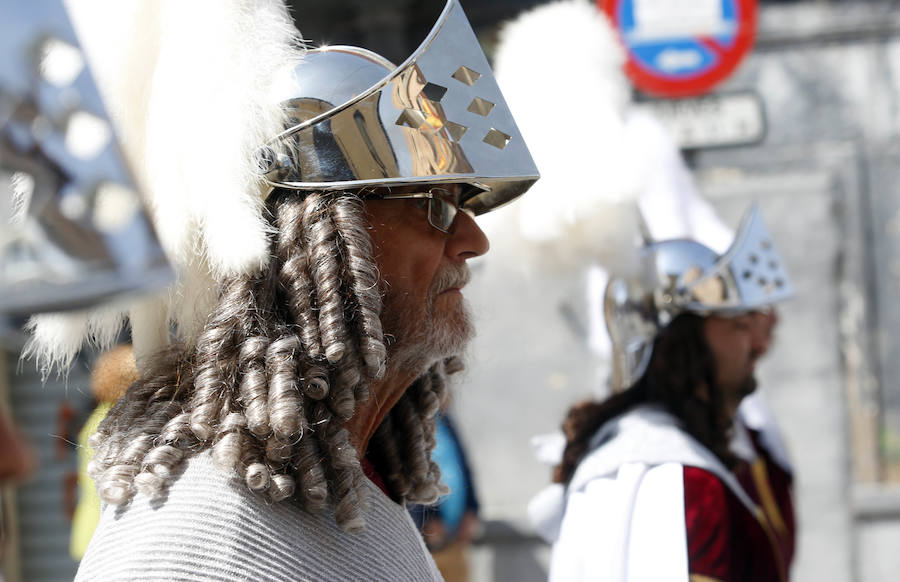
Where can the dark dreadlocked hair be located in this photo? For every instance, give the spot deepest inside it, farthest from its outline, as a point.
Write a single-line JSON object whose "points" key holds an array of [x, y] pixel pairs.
{"points": [[682, 363], [284, 359]]}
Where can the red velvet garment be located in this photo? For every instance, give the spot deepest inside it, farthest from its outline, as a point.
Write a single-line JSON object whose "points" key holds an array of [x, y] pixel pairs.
{"points": [[374, 476], [725, 540]]}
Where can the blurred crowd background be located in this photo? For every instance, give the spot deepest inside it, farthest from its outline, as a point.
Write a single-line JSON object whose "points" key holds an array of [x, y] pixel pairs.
{"points": [[825, 173]]}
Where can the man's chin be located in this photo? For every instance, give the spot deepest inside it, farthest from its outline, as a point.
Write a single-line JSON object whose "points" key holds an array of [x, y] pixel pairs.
{"points": [[748, 387], [450, 333], [444, 333]]}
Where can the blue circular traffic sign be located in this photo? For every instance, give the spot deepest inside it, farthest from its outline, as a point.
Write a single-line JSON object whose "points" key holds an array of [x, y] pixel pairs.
{"points": [[682, 47]]}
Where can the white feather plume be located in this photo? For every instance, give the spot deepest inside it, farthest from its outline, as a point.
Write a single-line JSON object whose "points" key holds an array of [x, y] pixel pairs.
{"points": [[560, 68], [189, 85]]}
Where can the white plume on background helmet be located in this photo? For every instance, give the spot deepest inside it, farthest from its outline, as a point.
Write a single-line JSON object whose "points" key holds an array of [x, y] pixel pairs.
{"points": [[189, 86], [561, 67]]}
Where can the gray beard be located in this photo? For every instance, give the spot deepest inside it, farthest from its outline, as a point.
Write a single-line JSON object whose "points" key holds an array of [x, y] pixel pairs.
{"points": [[420, 337], [420, 340]]}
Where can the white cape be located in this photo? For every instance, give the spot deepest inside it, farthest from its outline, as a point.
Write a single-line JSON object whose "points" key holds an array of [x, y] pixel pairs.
{"points": [[622, 516]]}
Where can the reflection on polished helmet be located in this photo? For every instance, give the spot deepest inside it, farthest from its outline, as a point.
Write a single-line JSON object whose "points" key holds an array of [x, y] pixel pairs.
{"points": [[680, 275], [359, 121]]}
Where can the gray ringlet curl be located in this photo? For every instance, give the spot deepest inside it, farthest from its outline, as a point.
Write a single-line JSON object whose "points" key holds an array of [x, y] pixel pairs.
{"points": [[283, 360]]}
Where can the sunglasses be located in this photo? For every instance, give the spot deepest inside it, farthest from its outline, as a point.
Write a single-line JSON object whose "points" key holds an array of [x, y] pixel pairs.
{"points": [[443, 206]]}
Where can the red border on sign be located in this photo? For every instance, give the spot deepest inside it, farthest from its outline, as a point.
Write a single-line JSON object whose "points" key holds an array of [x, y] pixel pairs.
{"points": [[652, 82]]}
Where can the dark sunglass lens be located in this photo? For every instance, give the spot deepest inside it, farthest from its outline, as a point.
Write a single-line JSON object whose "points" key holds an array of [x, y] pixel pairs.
{"points": [[441, 214]]}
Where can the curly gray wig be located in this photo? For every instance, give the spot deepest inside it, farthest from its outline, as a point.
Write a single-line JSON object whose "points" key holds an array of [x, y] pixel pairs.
{"points": [[283, 361]]}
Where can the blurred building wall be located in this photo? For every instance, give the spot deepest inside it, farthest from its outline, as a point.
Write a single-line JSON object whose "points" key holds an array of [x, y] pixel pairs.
{"points": [[49, 415], [830, 78]]}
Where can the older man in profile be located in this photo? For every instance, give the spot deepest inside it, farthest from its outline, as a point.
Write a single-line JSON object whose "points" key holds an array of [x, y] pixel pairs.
{"points": [[279, 434]]}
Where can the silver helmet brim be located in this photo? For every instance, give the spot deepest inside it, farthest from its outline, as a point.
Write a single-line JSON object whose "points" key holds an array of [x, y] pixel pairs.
{"points": [[438, 118]]}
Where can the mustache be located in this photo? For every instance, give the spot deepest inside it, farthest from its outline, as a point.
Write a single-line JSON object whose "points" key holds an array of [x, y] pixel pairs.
{"points": [[453, 276]]}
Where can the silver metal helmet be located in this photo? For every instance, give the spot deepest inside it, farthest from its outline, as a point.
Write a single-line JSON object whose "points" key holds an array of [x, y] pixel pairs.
{"points": [[359, 121], [680, 275]]}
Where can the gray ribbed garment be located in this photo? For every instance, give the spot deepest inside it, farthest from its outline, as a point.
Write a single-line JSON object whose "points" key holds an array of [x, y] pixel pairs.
{"points": [[211, 527]]}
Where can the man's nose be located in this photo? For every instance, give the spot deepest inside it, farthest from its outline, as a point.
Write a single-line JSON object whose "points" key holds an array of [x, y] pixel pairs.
{"points": [[467, 240], [763, 325]]}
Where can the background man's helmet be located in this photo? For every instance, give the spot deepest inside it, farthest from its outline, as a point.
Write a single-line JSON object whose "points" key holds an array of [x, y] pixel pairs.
{"points": [[678, 276]]}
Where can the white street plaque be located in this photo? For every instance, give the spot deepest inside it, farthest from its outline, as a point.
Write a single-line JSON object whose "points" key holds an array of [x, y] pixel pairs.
{"points": [[720, 120]]}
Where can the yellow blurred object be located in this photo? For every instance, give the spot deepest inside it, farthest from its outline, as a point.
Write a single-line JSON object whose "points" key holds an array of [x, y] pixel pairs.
{"points": [[113, 373], [87, 513]]}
